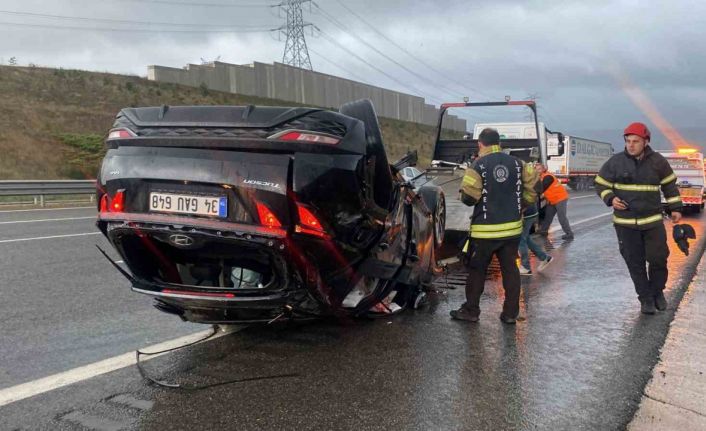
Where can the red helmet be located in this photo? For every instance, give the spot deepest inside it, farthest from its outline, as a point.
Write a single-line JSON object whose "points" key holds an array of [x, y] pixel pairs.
{"points": [[638, 129]]}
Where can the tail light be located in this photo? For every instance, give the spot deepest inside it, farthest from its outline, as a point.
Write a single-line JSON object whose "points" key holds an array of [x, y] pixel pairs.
{"points": [[118, 203], [309, 223], [267, 217], [121, 133], [104, 203], [114, 205], [315, 138]]}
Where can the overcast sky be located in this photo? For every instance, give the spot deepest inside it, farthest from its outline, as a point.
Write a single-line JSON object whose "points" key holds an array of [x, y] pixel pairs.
{"points": [[589, 63]]}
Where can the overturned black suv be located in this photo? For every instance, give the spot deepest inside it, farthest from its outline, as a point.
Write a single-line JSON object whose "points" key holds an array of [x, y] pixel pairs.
{"points": [[230, 214]]}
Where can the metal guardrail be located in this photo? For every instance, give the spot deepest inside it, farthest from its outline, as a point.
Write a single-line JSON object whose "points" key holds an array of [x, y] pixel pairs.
{"points": [[40, 188]]}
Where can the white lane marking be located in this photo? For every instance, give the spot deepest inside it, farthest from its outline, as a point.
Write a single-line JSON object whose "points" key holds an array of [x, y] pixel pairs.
{"points": [[584, 197], [48, 237], [47, 209], [47, 219], [119, 261], [46, 384], [576, 223]]}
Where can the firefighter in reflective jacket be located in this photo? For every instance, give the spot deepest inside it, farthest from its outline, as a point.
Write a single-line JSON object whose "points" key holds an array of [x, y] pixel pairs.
{"points": [[630, 182], [499, 185]]}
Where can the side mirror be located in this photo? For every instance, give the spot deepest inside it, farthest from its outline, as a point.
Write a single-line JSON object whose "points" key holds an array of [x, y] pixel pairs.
{"points": [[560, 136], [555, 143]]}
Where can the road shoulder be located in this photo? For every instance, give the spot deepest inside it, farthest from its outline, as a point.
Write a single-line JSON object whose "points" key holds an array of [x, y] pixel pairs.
{"points": [[675, 397]]}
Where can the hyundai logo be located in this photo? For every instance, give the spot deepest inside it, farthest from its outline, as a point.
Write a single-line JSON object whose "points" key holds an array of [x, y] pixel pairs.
{"points": [[181, 240]]}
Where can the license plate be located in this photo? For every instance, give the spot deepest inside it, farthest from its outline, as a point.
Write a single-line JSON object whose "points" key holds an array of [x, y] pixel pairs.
{"points": [[189, 204]]}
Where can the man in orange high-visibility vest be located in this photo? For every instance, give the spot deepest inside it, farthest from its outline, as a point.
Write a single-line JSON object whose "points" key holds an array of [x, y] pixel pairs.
{"points": [[557, 199]]}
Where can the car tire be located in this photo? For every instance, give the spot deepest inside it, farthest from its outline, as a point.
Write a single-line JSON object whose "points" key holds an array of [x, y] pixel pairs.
{"points": [[435, 201], [364, 111]]}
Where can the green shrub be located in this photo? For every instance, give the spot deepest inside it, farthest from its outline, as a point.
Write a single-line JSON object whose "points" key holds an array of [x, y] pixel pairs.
{"points": [[84, 153], [204, 89], [90, 142]]}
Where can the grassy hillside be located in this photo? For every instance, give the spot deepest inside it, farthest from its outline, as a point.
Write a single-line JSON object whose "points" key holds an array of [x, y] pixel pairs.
{"points": [[53, 121]]}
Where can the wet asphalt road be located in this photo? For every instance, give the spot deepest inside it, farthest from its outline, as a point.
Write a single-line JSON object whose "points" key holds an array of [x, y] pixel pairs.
{"points": [[580, 359], [62, 305]]}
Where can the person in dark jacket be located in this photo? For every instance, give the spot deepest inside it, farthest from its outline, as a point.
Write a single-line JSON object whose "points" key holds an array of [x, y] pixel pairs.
{"points": [[630, 182], [498, 186]]}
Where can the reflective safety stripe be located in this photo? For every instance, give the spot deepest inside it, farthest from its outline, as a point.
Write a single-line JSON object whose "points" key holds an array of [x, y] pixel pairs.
{"points": [[467, 179], [495, 235], [637, 221], [673, 200], [600, 180], [636, 187], [668, 179], [605, 193], [496, 227], [489, 150]]}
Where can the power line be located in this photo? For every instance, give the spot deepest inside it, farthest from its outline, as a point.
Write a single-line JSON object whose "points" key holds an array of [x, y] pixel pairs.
{"points": [[130, 30], [121, 21], [178, 3], [401, 48], [404, 85], [338, 66], [344, 28]]}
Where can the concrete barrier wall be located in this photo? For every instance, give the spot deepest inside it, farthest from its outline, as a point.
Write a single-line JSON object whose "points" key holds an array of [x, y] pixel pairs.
{"points": [[292, 84]]}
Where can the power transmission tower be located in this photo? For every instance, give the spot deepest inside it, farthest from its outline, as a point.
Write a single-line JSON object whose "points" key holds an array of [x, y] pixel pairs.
{"points": [[295, 51]]}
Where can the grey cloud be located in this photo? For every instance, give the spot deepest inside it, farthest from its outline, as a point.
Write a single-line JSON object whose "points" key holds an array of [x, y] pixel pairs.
{"points": [[561, 50]]}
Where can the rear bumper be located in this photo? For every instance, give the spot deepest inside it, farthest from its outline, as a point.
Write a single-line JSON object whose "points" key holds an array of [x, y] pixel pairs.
{"points": [[179, 221], [211, 309], [291, 268]]}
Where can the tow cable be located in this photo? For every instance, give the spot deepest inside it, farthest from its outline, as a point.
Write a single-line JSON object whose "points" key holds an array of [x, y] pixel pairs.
{"points": [[139, 353], [169, 385]]}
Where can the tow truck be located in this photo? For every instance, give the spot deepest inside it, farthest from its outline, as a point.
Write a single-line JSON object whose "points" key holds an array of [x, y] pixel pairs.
{"points": [[453, 154], [687, 164]]}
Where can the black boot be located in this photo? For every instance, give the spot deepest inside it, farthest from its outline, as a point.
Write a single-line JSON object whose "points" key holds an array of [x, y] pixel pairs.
{"points": [[660, 301], [463, 314], [647, 306], [507, 320]]}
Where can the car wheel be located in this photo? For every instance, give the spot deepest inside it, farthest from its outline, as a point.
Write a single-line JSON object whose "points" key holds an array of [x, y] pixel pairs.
{"points": [[364, 111], [435, 201], [440, 221]]}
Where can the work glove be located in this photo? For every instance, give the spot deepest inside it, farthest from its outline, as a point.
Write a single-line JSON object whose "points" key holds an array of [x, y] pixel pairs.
{"points": [[681, 234]]}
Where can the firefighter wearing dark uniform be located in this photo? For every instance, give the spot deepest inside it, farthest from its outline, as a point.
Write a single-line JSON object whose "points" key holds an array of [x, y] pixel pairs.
{"points": [[499, 185], [630, 182]]}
